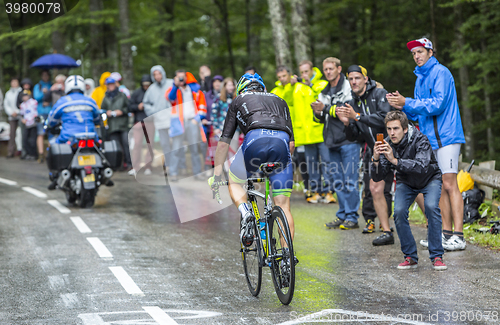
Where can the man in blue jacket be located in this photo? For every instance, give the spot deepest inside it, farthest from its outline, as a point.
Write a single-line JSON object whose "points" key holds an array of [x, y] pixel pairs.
{"points": [[39, 92], [75, 111], [435, 106]]}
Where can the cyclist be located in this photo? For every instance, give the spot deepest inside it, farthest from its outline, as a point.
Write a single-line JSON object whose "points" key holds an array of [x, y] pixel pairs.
{"points": [[265, 120], [76, 112]]}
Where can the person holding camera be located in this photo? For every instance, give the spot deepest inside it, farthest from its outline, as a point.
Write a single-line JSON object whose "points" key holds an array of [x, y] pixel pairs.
{"points": [[409, 152], [189, 109], [363, 118]]}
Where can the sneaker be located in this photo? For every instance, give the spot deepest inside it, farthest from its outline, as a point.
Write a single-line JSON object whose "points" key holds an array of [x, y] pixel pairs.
{"points": [[41, 158], [335, 223], [424, 243], [438, 264], [385, 239], [409, 263], [307, 194], [131, 172], [455, 243], [173, 178], [315, 198], [246, 236], [329, 198], [147, 172], [348, 225], [369, 227]]}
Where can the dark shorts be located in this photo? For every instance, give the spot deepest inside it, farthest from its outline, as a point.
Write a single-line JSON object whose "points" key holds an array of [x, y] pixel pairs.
{"points": [[263, 146]]}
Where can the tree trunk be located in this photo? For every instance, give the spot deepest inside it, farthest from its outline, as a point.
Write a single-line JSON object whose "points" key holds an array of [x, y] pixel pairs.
{"points": [[488, 110], [280, 36], [58, 42], [433, 26], [96, 44], [222, 4], [253, 41], [125, 47], [25, 63], [468, 119], [300, 30], [1, 71], [168, 50]]}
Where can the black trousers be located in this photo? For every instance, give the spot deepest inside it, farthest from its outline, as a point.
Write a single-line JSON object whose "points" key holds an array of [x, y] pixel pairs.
{"points": [[368, 209], [122, 138], [29, 141], [300, 165]]}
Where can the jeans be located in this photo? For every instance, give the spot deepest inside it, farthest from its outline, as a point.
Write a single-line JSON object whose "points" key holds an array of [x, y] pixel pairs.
{"points": [[192, 135], [405, 196], [343, 168], [313, 153]]}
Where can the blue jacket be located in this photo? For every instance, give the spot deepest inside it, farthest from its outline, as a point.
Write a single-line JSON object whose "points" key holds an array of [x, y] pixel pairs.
{"points": [[38, 95], [77, 113], [435, 105]]}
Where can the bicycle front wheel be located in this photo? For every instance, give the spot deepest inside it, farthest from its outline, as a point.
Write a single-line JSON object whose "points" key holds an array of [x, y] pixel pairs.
{"points": [[282, 257], [251, 257]]}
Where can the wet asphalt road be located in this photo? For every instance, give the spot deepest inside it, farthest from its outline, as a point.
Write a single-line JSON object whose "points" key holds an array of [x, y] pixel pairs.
{"points": [[191, 273]]}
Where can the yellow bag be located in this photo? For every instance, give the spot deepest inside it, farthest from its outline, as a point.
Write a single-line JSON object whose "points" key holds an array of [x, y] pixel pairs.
{"points": [[465, 181]]}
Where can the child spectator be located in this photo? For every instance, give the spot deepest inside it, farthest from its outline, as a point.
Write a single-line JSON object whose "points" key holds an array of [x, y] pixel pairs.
{"points": [[29, 113]]}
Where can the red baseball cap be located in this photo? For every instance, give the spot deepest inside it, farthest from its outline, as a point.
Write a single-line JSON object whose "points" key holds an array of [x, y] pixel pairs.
{"points": [[424, 42]]}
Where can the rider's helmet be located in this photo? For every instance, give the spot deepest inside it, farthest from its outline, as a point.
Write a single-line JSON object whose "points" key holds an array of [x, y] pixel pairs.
{"points": [[250, 82], [74, 83]]}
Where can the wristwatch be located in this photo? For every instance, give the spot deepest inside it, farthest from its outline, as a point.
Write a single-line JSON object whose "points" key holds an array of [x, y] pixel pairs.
{"points": [[375, 160], [358, 116], [113, 113]]}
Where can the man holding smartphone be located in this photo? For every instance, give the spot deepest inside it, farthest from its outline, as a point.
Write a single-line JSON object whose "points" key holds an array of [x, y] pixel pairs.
{"points": [[435, 106], [363, 117]]}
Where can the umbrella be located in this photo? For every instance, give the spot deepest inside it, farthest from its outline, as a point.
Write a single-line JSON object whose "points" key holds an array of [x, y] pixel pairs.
{"points": [[464, 179], [54, 61]]}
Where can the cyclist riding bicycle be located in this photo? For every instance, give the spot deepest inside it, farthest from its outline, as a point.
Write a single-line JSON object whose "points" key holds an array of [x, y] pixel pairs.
{"points": [[265, 120], [76, 112]]}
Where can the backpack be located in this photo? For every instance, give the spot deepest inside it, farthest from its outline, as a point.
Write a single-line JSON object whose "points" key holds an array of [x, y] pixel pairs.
{"points": [[472, 200]]}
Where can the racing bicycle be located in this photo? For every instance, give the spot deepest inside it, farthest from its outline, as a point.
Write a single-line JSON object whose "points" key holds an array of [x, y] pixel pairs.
{"points": [[267, 241]]}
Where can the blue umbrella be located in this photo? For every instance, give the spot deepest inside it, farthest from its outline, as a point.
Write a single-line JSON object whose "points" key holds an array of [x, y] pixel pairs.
{"points": [[54, 61]]}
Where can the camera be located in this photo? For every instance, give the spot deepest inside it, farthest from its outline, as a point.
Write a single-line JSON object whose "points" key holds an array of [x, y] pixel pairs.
{"points": [[181, 79]]}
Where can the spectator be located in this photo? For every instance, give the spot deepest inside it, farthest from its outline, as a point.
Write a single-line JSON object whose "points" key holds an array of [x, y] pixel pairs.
{"points": [[42, 88], [417, 172], [1, 100], [136, 106], [189, 108], [310, 132], [435, 106], [217, 118], [28, 111], [12, 111], [205, 78], [121, 88], [56, 91], [27, 85], [363, 118], [99, 92], [250, 69], [115, 103], [89, 87], [344, 154], [211, 97], [156, 104]]}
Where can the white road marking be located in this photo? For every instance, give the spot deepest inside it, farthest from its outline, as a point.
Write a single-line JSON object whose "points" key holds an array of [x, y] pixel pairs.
{"points": [[99, 247], [139, 317], [58, 282], [159, 315], [61, 208], [35, 192], [126, 281], [80, 225], [8, 182], [345, 316], [70, 300]]}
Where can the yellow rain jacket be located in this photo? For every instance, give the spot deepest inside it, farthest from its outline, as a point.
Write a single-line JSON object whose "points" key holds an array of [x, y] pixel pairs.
{"points": [[99, 92]]}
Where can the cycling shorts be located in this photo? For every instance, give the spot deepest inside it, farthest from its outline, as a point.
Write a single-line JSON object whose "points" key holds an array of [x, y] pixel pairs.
{"points": [[447, 158], [264, 146]]}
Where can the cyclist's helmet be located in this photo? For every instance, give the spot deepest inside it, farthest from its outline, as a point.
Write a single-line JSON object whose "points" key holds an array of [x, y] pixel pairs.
{"points": [[250, 82], [74, 84]]}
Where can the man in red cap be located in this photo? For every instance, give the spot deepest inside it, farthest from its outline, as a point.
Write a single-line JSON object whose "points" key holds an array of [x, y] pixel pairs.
{"points": [[435, 106]]}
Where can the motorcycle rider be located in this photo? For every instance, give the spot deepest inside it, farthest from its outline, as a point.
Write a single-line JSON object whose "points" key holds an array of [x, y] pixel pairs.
{"points": [[76, 112]]}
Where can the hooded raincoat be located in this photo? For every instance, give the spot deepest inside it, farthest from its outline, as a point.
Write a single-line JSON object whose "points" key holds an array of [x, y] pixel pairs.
{"points": [[99, 93], [155, 102]]}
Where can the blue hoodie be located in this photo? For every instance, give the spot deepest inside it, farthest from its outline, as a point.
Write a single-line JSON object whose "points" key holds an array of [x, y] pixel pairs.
{"points": [[38, 94], [435, 105]]}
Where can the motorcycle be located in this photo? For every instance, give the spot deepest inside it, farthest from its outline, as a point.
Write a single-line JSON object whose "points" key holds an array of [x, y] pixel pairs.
{"points": [[79, 168]]}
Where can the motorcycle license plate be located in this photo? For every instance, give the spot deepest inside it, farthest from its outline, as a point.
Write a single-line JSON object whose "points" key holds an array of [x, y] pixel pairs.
{"points": [[86, 160], [89, 178]]}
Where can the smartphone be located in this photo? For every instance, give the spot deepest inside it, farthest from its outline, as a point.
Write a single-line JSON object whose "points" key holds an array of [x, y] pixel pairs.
{"points": [[380, 137]]}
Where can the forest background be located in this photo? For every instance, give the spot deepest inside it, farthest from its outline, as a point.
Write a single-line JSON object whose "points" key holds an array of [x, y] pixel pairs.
{"points": [[130, 36]]}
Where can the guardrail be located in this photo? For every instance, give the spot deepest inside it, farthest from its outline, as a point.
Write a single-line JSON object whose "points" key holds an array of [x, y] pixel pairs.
{"points": [[483, 176]]}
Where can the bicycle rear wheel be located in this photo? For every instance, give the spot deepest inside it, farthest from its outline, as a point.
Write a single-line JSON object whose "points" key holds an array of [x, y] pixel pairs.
{"points": [[282, 257], [251, 257]]}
